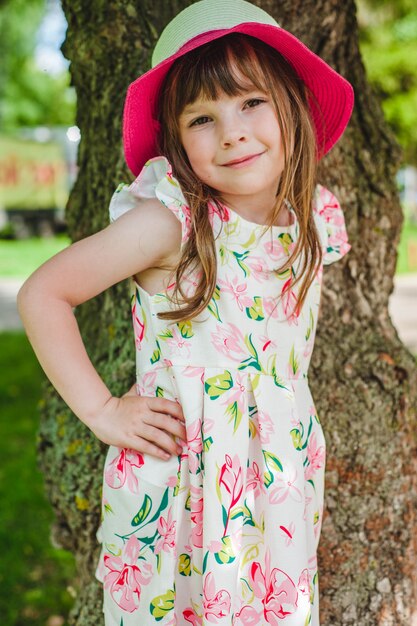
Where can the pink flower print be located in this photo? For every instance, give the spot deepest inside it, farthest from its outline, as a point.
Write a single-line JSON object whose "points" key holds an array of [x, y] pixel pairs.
{"points": [[308, 348], [195, 445], [270, 307], [138, 324], [267, 344], [229, 341], [338, 239], [235, 540], [237, 290], [289, 302], [288, 533], [120, 470], [275, 250], [237, 393], [316, 457], [247, 616], [166, 528], [258, 267], [191, 616], [216, 604], [125, 576], [231, 480], [276, 589], [177, 344], [197, 508], [255, 481], [223, 212], [192, 372], [147, 384], [285, 487], [266, 426], [304, 583]]}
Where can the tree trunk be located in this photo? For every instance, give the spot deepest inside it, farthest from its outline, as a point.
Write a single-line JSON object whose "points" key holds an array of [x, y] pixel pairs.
{"points": [[363, 379]]}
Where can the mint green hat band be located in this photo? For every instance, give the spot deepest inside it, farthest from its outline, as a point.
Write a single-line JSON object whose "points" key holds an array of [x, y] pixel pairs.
{"points": [[202, 17]]}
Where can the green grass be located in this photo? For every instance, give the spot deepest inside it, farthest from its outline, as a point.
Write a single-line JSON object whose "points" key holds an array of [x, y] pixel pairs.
{"points": [[19, 258], [34, 577]]}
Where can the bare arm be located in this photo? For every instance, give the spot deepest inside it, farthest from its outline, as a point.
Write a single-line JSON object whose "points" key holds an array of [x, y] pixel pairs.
{"points": [[147, 236]]}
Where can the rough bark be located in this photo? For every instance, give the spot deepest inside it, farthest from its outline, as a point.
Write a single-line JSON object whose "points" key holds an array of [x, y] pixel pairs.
{"points": [[363, 379]]}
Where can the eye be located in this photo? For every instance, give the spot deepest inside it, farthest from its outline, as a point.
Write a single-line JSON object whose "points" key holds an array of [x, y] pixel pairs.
{"points": [[254, 102], [200, 121]]}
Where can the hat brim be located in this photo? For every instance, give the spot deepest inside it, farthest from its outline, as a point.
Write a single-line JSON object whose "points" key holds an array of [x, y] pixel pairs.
{"points": [[330, 111]]}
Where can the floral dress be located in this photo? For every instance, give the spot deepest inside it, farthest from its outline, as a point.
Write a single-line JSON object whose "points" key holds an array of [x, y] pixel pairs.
{"points": [[226, 533]]}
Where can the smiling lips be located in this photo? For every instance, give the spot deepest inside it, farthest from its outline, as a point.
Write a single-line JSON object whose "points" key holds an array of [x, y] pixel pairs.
{"points": [[243, 161]]}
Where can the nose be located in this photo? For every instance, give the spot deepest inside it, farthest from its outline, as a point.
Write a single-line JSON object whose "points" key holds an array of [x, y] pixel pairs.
{"points": [[233, 132]]}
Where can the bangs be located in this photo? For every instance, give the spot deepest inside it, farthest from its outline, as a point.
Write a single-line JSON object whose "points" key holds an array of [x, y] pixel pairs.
{"points": [[228, 65]]}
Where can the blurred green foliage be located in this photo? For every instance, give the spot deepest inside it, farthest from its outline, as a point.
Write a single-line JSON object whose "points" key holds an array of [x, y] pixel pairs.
{"points": [[388, 43], [36, 578], [28, 95]]}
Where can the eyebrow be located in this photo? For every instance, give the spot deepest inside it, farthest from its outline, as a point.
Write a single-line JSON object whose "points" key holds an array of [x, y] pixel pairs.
{"points": [[192, 109]]}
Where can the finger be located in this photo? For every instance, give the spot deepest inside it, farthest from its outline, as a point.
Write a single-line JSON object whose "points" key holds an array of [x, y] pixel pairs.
{"points": [[162, 405], [162, 439], [167, 423], [146, 447]]}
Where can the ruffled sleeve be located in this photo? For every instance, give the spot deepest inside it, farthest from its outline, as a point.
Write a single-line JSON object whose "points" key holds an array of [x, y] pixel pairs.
{"points": [[154, 181], [330, 223]]}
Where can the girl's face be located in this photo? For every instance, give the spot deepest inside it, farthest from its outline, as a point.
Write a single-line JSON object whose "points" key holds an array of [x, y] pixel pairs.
{"points": [[234, 146]]}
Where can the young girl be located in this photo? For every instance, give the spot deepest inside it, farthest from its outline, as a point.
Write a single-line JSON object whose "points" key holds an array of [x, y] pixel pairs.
{"points": [[213, 482]]}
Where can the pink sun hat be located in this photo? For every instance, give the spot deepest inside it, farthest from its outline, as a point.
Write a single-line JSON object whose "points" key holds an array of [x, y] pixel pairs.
{"points": [[206, 21]]}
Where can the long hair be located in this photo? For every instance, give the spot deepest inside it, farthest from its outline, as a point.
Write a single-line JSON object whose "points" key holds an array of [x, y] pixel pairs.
{"points": [[208, 71]]}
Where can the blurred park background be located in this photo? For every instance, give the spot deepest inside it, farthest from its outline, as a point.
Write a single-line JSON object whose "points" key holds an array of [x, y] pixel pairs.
{"points": [[38, 148]]}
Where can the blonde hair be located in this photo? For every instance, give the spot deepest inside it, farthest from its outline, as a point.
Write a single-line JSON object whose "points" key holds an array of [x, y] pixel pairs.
{"points": [[208, 71]]}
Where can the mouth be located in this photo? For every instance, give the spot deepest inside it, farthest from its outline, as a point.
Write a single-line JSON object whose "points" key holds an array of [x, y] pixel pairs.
{"points": [[243, 161]]}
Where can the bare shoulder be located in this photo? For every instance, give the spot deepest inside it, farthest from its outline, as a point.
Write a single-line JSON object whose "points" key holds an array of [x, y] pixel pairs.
{"points": [[152, 227]]}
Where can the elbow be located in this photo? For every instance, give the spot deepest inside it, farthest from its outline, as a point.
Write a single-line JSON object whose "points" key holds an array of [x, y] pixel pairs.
{"points": [[24, 298]]}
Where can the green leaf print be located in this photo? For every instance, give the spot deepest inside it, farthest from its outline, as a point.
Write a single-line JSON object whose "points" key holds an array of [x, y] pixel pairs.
{"points": [[204, 564], [217, 385], [310, 325], [285, 240], [226, 554], [143, 512], [156, 353], [296, 439], [253, 360], [207, 443], [159, 392], [184, 565], [161, 605], [294, 362], [250, 554], [272, 461], [240, 258], [107, 508], [186, 329], [256, 312], [283, 275], [238, 511], [273, 464], [167, 334], [235, 415], [247, 244], [212, 307], [279, 382]]}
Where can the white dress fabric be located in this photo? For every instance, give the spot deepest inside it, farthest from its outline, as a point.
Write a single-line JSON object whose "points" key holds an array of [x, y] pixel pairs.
{"points": [[225, 533]]}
